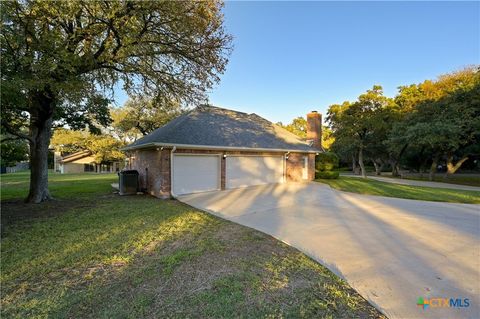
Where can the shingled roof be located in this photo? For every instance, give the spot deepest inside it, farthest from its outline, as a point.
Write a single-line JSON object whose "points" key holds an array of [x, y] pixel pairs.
{"points": [[75, 156], [213, 127]]}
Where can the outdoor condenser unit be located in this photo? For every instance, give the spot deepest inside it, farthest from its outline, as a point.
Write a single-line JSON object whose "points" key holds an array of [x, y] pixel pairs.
{"points": [[128, 182]]}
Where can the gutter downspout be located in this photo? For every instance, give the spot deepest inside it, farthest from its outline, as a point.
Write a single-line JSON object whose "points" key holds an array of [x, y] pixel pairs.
{"points": [[285, 166], [171, 171]]}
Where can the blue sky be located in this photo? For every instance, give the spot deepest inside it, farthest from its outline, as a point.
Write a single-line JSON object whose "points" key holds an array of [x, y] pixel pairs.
{"points": [[293, 57]]}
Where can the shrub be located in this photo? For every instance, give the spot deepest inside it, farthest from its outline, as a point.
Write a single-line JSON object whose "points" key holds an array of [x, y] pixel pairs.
{"points": [[325, 162], [327, 175]]}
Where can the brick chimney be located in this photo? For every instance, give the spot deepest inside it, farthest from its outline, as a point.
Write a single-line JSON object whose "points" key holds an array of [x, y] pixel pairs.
{"points": [[314, 129]]}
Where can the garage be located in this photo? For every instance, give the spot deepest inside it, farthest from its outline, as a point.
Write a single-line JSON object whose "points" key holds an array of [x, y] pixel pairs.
{"points": [[195, 173], [210, 148], [243, 171]]}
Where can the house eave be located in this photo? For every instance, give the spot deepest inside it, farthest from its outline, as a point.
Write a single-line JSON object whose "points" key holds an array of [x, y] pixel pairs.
{"points": [[212, 147], [75, 156]]}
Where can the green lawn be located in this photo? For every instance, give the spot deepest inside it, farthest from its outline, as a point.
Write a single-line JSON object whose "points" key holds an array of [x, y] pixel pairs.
{"points": [[93, 254], [373, 187], [454, 179]]}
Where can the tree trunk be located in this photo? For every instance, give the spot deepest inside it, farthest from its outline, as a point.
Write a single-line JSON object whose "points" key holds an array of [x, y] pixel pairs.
{"points": [[354, 165], [41, 111], [452, 168], [378, 167], [433, 168], [420, 162], [394, 165], [394, 162], [360, 162], [423, 167]]}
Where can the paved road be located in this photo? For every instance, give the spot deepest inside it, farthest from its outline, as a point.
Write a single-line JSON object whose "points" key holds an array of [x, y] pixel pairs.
{"points": [[419, 183], [392, 251]]}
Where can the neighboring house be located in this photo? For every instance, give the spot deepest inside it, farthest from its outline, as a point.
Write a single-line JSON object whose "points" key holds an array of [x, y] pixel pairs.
{"points": [[211, 148], [84, 161]]}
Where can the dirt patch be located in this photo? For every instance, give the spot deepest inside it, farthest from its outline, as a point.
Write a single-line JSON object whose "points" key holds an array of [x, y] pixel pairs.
{"points": [[17, 210]]}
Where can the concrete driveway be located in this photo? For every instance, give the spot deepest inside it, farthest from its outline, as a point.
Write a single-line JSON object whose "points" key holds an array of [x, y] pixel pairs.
{"points": [[392, 251]]}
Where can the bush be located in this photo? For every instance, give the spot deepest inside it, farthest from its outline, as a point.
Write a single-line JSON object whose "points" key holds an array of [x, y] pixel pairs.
{"points": [[325, 162], [327, 175]]}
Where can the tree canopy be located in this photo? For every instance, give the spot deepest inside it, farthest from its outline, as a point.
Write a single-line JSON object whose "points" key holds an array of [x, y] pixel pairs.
{"points": [[143, 114], [430, 121], [61, 60], [13, 151], [298, 126], [103, 147], [358, 125]]}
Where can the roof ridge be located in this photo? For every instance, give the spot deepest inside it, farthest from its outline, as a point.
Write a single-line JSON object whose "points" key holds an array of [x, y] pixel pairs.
{"points": [[230, 110], [221, 108]]}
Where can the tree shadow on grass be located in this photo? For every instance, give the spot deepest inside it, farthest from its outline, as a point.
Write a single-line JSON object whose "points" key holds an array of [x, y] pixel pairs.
{"points": [[55, 261]]}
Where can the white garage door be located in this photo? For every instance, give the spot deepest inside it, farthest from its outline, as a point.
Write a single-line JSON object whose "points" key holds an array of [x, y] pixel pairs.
{"points": [[244, 171], [195, 173]]}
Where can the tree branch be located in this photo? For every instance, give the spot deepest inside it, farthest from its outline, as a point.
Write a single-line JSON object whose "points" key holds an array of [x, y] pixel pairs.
{"points": [[11, 138], [16, 133]]}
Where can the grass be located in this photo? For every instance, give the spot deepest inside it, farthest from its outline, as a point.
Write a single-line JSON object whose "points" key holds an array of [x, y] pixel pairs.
{"points": [[373, 187], [93, 254], [63, 186], [454, 179]]}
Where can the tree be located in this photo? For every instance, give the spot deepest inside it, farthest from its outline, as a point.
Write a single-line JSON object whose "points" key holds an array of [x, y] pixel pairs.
{"points": [[443, 119], [69, 141], [121, 128], [327, 137], [425, 124], [383, 119], [103, 147], [298, 126], [60, 58], [144, 114], [13, 150], [359, 124]]}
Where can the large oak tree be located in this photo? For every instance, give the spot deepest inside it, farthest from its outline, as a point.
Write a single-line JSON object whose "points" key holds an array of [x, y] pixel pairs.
{"points": [[443, 119], [60, 59], [145, 114], [356, 126]]}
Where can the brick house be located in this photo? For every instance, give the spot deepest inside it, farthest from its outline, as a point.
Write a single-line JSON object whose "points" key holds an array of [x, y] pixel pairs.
{"points": [[211, 148]]}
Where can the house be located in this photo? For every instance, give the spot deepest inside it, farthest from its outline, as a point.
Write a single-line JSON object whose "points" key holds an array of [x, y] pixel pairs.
{"points": [[84, 161], [211, 148]]}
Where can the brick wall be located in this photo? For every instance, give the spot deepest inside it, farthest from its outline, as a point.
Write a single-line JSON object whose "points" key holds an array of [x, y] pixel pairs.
{"points": [[295, 163], [157, 178], [314, 129], [154, 171]]}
